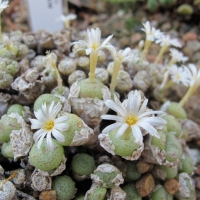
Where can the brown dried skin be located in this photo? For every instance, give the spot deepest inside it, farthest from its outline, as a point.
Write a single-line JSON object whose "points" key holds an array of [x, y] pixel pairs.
{"points": [[143, 166], [48, 195], [145, 185], [172, 186]]}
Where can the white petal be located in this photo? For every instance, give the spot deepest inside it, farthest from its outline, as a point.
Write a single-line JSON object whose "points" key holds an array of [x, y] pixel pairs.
{"points": [[154, 121], [61, 119], [50, 144], [35, 124], [51, 107], [40, 141], [59, 136], [137, 134], [151, 113], [61, 126], [150, 129], [112, 105], [143, 107], [39, 134], [111, 127], [112, 117], [118, 102], [55, 110], [122, 130], [40, 116], [107, 40]]}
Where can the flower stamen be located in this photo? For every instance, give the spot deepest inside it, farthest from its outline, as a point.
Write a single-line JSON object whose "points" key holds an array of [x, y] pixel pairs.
{"points": [[131, 120], [48, 125]]}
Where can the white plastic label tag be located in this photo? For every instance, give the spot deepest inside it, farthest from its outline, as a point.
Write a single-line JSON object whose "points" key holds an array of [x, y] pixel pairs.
{"points": [[45, 14]]}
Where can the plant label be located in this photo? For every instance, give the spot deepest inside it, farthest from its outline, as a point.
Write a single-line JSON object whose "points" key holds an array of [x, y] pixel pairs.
{"points": [[45, 14]]}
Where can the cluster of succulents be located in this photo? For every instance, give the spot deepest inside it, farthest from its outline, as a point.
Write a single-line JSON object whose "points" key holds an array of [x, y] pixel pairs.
{"points": [[52, 124]]}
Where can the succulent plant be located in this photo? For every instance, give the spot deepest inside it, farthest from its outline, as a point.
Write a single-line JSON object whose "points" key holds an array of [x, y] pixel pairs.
{"points": [[44, 158], [64, 187]]}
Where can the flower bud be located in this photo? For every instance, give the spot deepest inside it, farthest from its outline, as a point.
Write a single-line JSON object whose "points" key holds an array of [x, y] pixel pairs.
{"points": [[67, 66]]}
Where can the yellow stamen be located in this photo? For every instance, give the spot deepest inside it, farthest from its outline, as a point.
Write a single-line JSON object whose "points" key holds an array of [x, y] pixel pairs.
{"points": [[131, 120], [178, 76], [95, 46], [48, 125]]}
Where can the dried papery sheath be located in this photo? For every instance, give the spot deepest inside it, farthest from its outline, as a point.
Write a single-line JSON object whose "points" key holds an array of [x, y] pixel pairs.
{"points": [[30, 90], [37, 63], [89, 109], [22, 139], [107, 176], [40, 182], [62, 40], [186, 187], [4, 102], [19, 178], [117, 194], [142, 81], [192, 130], [102, 75], [67, 66], [76, 76], [8, 191], [116, 148]]}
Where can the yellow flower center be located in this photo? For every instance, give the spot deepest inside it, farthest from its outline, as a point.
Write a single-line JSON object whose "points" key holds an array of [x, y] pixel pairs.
{"points": [[48, 125], [131, 120], [178, 76], [95, 46]]}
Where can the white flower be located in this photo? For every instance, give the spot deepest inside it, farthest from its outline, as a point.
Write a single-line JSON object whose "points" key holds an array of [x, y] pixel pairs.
{"points": [[165, 40], [178, 56], [194, 74], [68, 17], [122, 55], [94, 41], [131, 114], [179, 74], [48, 123], [151, 32], [3, 5]]}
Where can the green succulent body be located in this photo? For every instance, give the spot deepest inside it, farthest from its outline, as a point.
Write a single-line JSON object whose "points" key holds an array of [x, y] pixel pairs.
{"points": [[83, 164], [173, 149], [16, 108], [170, 172], [64, 187], [159, 142], [45, 98], [75, 124], [125, 145], [98, 194], [7, 150], [161, 194], [92, 90], [7, 125], [131, 192], [132, 173], [176, 110], [46, 159]]}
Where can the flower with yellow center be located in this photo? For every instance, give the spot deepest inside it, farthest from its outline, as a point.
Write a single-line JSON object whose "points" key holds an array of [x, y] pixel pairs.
{"points": [[135, 115], [48, 123], [179, 74], [94, 41]]}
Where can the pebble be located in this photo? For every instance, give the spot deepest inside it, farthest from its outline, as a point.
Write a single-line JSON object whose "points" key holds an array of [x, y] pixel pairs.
{"points": [[193, 45], [172, 186], [145, 185], [48, 195], [135, 38], [143, 166], [189, 36]]}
